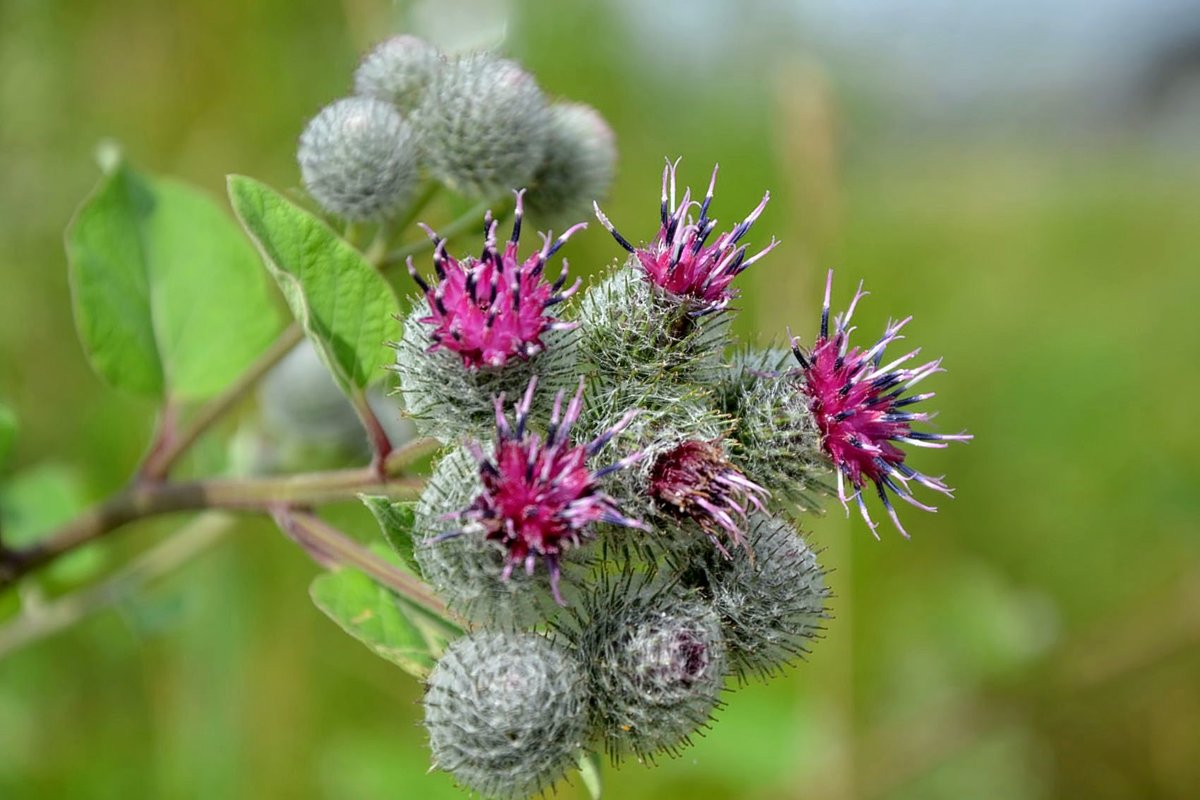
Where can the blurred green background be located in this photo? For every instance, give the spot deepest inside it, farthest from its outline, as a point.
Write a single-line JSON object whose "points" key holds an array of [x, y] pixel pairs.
{"points": [[1039, 637]]}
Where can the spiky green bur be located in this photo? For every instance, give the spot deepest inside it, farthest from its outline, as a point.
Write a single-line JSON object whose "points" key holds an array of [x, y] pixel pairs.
{"points": [[656, 662], [467, 570], [669, 414], [506, 713], [577, 170], [746, 367], [780, 446], [306, 416], [633, 332], [483, 125], [447, 400], [358, 158], [398, 70], [770, 597]]}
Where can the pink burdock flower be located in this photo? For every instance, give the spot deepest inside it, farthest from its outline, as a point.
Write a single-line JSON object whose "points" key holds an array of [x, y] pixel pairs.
{"points": [[680, 261], [696, 480], [860, 410], [539, 495], [495, 308]]}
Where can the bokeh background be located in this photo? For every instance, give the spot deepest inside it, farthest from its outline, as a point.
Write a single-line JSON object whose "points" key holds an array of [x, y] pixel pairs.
{"points": [[1021, 176]]}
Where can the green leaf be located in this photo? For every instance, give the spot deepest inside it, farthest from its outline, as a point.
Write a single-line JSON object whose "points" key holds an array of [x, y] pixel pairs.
{"points": [[344, 304], [396, 522], [168, 298], [589, 772], [8, 432], [36, 501], [389, 625]]}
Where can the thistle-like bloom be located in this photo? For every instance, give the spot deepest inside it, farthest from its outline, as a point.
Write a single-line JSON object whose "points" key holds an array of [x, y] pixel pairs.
{"points": [[539, 496], [680, 261], [696, 480], [494, 308], [860, 410]]}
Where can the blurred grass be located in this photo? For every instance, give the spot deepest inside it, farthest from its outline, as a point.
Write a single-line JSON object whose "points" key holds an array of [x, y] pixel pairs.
{"points": [[1037, 638]]}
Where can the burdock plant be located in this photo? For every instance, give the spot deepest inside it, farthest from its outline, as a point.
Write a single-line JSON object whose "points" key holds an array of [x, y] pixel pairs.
{"points": [[609, 528]]}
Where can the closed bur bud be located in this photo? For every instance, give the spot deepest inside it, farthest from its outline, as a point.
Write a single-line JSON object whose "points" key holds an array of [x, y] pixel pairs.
{"points": [[358, 158], [670, 417], [398, 70], [307, 417], [748, 366], [770, 597], [780, 443], [656, 662], [633, 332], [483, 124], [581, 156], [506, 713]]}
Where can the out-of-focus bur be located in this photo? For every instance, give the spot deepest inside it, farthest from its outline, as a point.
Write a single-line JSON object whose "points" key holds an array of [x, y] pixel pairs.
{"points": [[307, 419], [358, 159], [398, 70], [483, 124], [506, 712], [770, 596], [656, 662], [577, 170]]}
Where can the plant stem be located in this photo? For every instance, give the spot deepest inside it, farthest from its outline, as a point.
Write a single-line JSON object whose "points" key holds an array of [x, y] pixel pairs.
{"points": [[163, 458], [141, 499], [470, 219], [420, 200], [330, 547], [173, 552]]}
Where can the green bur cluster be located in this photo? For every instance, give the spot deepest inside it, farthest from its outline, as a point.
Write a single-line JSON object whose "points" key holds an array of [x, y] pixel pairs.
{"points": [[623, 642], [655, 621], [476, 123]]}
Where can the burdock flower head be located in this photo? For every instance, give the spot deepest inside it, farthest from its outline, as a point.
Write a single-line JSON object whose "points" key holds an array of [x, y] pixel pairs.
{"points": [[495, 308], [539, 496], [680, 261], [860, 410], [695, 480]]}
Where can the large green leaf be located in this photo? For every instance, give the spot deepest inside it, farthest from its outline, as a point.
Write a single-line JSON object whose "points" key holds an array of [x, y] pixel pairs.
{"points": [[396, 522], [389, 625], [344, 304], [168, 297]]}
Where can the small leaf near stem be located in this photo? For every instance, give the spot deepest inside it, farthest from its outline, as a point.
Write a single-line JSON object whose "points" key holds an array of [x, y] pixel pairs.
{"points": [[589, 773], [346, 309]]}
